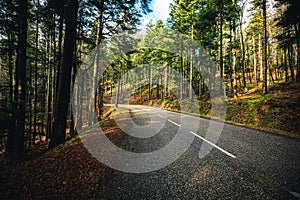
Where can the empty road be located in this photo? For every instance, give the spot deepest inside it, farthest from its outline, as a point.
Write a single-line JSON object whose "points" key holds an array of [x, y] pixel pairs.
{"points": [[242, 164]]}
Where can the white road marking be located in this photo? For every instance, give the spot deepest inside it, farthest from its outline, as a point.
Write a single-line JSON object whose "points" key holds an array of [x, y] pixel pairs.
{"points": [[202, 138], [214, 145], [174, 123]]}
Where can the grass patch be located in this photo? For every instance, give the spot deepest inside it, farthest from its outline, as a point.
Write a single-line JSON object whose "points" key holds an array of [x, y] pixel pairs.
{"points": [[278, 111]]}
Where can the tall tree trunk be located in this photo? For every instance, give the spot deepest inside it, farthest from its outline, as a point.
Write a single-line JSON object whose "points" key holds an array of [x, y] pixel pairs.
{"points": [[92, 104], [100, 86], [291, 63], [265, 81], [29, 133], [276, 65], [243, 55], [59, 53], [221, 49], [157, 86], [191, 67], [117, 93], [150, 83], [290, 58], [254, 63], [200, 87], [100, 103], [167, 80], [80, 91], [20, 90], [35, 75], [260, 59], [181, 71], [234, 65], [140, 88], [72, 123], [10, 140], [49, 91], [285, 65], [53, 94], [111, 85], [231, 65], [10, 68], [53, 66], [297, 29], [63, 91]]}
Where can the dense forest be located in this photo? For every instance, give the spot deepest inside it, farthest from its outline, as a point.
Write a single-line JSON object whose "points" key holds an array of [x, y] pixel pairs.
{"points": [[43, 44]]}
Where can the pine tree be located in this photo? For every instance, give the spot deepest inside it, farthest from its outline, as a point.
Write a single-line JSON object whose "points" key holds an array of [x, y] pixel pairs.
{"points": [[290, 21]]}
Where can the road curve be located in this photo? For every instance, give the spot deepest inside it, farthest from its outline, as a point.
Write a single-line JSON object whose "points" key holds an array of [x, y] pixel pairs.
{"points": [[242, 164]]}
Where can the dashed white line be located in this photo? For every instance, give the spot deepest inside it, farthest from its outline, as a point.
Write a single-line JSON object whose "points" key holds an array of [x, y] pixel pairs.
{"points": [[202, 138], [214, 145], [174, 123]]}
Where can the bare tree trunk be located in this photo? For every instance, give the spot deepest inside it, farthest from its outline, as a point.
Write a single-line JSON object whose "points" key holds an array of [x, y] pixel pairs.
{"points": [[200, 87], [10, 140], [49, 92], [80, 91], [243, 55], [231, 63], [285, 65], [265, 81], [276, 65], [100, 98], [53, 99], [30, 109], [150, 83], [221, 50], [260, 59], [141, 89], [35, 75], [157, 86], [20, 90], [117, 93], [297, 27], [167, 80], [63, 91], [72, 123], [290, 58], [59, 54], [79, 94], [181, 71], [191, 68], [100, 93], [234, 66], [92, 104], [254, 62], [56, 63]]}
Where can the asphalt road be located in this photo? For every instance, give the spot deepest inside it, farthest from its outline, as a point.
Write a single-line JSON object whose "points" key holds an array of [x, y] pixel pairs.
{"points": [[243, 164]]}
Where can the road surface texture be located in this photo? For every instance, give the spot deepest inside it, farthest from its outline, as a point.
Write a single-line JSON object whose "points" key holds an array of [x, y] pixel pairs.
{"points": [[244, 164]]}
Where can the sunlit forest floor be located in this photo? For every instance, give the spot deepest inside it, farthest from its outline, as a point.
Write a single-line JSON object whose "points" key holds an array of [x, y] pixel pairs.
{"points": [[277, 112], [67, 172]]}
